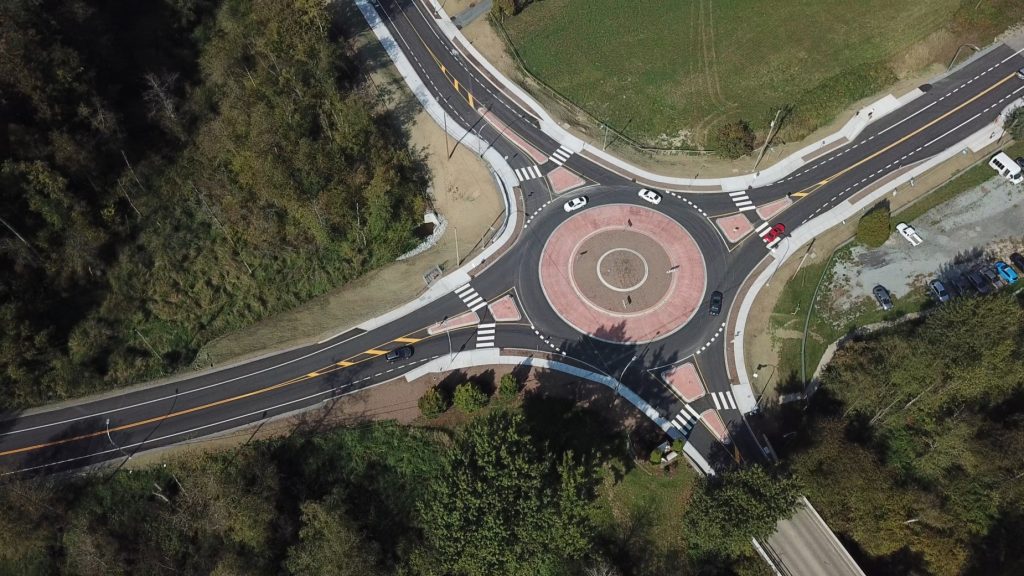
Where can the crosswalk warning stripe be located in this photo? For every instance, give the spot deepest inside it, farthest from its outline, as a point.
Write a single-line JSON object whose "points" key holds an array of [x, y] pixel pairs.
{"points": [[735, 194], [761, 227], [461, 289], [746, 208]]}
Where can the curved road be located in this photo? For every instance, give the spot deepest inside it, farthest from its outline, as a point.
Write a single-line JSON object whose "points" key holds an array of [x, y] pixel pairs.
{"points": [[125, 422]]}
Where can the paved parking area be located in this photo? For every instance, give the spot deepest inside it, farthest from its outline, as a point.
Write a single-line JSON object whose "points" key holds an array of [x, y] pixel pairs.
{"points": [[987, 221]]}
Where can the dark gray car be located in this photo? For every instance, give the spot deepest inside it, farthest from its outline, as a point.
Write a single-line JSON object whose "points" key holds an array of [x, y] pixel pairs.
{"points": [[883, 297], [715, 305], [979, 282], [400, 353]]}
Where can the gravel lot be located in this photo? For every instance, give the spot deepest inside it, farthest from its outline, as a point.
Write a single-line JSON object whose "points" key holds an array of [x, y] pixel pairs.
{"points": [[987, 221]]}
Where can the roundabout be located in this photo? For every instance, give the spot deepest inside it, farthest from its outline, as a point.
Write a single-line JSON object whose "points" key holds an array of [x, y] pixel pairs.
{"points": [[623, 273]]}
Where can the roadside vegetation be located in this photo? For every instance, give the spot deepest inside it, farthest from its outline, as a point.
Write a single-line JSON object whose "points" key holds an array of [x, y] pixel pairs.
{"points": [[526, 485], [176, 170], [912, 446], [672, 74]]}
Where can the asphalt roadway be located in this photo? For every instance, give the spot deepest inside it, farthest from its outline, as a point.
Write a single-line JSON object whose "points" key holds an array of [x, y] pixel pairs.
{"points": [[121, 424]]}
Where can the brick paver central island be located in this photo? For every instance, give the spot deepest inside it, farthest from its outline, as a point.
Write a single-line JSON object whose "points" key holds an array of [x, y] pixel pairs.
{"points": [[623, 273]]}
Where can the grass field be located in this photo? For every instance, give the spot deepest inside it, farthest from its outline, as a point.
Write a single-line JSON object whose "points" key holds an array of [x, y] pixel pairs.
{"points": [[667, 70]]}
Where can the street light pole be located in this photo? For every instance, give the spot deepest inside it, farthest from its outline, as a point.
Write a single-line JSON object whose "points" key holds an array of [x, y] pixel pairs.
{"points": [[618, 381]]}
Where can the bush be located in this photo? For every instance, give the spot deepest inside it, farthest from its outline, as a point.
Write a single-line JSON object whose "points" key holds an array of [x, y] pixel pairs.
{"points": [[874, 227], [733, 140], [469, 398], [432, 403], [655, 456], [508, 387], [1015, 124], [677, 445]]}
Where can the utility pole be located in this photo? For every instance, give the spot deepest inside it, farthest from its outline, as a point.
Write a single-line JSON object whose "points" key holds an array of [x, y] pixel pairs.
{"points": [[771, 130], [458, 259]]}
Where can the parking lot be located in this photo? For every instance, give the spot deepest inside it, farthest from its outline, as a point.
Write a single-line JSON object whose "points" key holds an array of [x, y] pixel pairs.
{"points": [[985, 223]]}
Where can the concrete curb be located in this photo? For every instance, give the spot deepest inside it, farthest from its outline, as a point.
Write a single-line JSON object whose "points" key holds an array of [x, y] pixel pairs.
{"points": [[493, 356], [843, 211]]}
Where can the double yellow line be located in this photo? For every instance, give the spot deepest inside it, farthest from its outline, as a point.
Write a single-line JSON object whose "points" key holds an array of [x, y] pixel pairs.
{"points": [[815, 187], [350, 361]]}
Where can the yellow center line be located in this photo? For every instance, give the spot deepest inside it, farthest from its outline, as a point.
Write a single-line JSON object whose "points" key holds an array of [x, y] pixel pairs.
{"points": [[468, 96], [815, 187], [128, 426]]}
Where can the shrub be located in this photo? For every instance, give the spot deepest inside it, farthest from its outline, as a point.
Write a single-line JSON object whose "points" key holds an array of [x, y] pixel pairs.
{"points": [[677, 445], [733, 140], [874, 227], [432, 403], [508, 386], [469, 398], [655, 456]]}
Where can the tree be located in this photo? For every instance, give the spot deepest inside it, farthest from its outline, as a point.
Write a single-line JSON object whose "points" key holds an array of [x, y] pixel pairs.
{"points": [[469, 397], [733, 140], [508, 386], [330, 544], [729, 509], [432, 404], [874, 226], [1014, 124], [503, 506]]}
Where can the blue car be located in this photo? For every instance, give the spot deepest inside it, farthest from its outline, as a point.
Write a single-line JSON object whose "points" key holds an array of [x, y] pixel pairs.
{"points": [[1007, 273]]}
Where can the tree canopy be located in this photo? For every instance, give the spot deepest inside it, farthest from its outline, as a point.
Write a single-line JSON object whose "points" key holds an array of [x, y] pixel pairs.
{"points": [[177, 169]]}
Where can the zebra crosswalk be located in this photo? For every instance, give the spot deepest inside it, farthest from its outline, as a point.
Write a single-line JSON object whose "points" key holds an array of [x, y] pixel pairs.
{"points": [[762, 230], [561, 155], [723, 400], [485, 335], [742, 201], [685, 420], [528, 173], [470, 297]]}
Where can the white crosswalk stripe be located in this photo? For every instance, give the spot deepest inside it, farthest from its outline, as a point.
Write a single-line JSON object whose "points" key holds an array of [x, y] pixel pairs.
{"points": [[723, 400], [560, 155], [774, 242], [742, 201], [760, 230], [485, 335], [528, 173], [470, 297], [685, 420]]}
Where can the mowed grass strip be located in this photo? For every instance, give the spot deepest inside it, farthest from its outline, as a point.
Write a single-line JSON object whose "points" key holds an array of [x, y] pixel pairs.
{"points": [[664, 69]]}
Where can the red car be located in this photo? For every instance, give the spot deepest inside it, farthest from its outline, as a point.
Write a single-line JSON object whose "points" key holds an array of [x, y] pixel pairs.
{"points": [[776, 232]]}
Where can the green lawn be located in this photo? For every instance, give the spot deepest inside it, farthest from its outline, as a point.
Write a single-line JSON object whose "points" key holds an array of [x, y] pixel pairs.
{"points": [[677, 67]]}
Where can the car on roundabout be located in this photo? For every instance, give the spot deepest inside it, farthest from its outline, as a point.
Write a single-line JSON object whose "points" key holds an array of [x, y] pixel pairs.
{"points": [[575, 204], [650, 196], [715, 303]]}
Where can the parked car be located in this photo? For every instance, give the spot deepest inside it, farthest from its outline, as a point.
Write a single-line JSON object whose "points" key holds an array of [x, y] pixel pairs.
{"points": [[1017, 260], [1006, 272], [961, 283], [1020, 73], [990, 274], [774, 232], [979, 282], [908, 232], [575, 204], [400, 353], [883, 297], [1007, 167], [650, 195], [715, 304], [939, 291]]}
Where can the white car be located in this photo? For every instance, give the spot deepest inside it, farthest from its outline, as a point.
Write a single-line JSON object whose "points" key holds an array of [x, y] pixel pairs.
{"points": [[650, 195], [575, 204], [908, 232]]}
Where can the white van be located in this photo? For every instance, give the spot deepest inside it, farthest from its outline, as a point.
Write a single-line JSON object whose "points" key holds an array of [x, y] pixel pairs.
{"points": [[1007, 167]]}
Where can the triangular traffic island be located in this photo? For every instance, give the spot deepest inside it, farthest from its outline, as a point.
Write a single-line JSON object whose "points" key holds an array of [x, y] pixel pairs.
{"points": [[734, 227], [504, 309], [685, 381], [713, 422], [562, 180], [774, 207], [468, 318]]}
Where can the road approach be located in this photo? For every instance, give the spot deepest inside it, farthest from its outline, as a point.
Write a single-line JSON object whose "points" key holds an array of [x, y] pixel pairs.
{"points": [[678, 367]]}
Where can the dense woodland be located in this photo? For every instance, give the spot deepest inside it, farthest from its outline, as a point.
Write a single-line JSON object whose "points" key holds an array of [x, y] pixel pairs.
{"points": [[914, 447], [513, 489], [172, 170]]}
